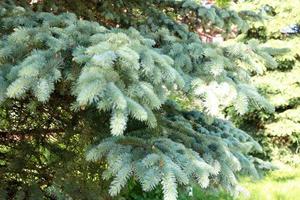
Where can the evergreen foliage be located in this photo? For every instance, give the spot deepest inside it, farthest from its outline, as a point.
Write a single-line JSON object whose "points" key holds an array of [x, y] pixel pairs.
{"points": [[279, 131], [67, 82]]}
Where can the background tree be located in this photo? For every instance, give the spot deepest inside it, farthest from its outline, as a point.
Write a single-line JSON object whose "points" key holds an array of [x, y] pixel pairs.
{"points": [[68, 82], [279, 131]]}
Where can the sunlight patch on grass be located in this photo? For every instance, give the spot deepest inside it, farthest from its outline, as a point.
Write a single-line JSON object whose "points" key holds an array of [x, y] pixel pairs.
{"points": [[283, 184]]}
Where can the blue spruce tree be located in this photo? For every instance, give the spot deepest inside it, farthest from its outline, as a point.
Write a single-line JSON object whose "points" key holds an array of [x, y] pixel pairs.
{"points": [[90, 102]]}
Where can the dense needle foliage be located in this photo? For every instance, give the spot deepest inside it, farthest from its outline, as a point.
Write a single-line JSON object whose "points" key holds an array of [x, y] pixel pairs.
{"points": [[89, 107], [279, 131]]}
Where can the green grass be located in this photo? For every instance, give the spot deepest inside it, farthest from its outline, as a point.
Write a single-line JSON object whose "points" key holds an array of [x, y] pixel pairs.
{"points": [[283, 184]]}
